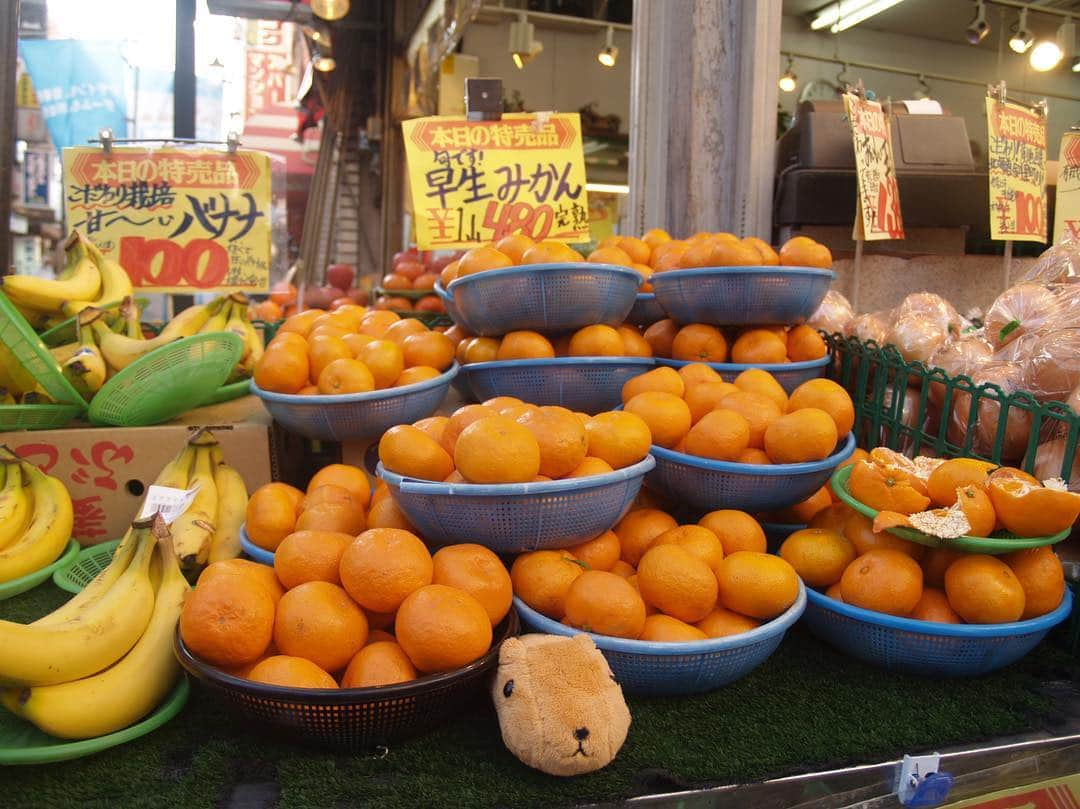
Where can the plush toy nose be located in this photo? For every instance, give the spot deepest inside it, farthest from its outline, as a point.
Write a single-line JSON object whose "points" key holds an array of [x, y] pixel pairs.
{"points": [[581, 734]]}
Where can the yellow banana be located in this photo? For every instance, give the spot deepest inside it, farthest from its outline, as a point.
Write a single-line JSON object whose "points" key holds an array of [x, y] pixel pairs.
{"points": [[65, 352], [121, 350], [131, 317], [75, 607], [231, 508], [219, 318], [47, 533], [85, 369], [82, 281], [192, 530], [105, 632], [16, 504], [115, 282], [125, 692], [176, 472]]}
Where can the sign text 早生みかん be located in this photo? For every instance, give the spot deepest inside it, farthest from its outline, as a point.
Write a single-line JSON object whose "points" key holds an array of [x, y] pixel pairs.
{"points": [[477, 181]]}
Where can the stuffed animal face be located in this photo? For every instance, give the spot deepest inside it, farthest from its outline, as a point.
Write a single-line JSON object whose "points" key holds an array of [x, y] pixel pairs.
{"points": [[559, 708]]}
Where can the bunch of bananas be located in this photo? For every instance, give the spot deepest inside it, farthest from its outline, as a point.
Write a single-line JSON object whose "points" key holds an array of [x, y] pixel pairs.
{"points": [[36, 517], [103, 660], [88, 279], [108, 342], [209, 530]]}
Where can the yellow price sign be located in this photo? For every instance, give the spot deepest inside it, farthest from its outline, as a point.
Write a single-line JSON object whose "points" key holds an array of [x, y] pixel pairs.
{"points": [[178, 220], [474, 182], [1067, 204], [1017, 164]]}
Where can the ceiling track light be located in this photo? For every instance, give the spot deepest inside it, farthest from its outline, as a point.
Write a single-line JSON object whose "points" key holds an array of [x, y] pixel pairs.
{"points": [[321, 57], [788, 79], [924, 89], [523, 45], [1049, 53], [978, 29], [839, 16], [1022, 38], [330, 9], [609, 54]]}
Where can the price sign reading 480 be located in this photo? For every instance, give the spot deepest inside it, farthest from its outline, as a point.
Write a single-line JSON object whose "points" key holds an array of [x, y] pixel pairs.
{"points": [[477, 181], [178, 220], [1017, 164]]}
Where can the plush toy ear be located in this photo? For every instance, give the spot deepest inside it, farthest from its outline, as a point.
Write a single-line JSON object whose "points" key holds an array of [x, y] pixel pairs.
{"points": [[512, 651]]}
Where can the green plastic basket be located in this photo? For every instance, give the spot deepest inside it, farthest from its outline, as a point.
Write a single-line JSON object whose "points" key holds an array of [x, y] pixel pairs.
{"points": [[32, 580], [168, 381], [86, 566], [23, 355], [884, 386], [22, 743], [1001, 543], [226, 393]]}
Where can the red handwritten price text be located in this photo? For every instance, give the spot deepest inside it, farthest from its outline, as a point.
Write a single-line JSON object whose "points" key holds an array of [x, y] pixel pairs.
{"points": [[519, 217], [201, 263]]}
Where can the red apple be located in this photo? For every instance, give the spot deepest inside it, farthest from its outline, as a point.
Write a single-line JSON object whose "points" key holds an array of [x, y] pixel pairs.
{"points": [[340, 275], [322, 297], [412, 254], [410, 269], [358, 296]]}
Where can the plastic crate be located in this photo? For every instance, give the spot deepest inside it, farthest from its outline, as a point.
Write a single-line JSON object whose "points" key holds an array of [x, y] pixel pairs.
{"points": [[516, 517], [542, 297], [668, 669], [742, 296], [926, 648]]}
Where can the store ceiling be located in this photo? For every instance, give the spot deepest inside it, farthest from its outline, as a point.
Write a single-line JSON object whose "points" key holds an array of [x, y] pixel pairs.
{"points": [[943, 20]]}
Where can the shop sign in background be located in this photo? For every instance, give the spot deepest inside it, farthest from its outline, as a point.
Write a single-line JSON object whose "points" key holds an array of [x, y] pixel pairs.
{"points": [[177, 220], [1017, 162], [1067, 203], [478, 181], [878, 215]]}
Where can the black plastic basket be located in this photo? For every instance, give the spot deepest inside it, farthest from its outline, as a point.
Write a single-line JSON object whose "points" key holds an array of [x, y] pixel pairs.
{"points": [[355, 720]]}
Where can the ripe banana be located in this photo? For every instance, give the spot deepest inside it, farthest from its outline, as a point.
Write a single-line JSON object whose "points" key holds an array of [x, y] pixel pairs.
{"points": [[101, 635], [231, 508], [218, 320], [115, 282], [65, 352], [85, 369], [75, 607], [176, 472], [130, 316], [121, 350], [192, 530], [16, 504], [125, 692], [81, 282], [191, 320], [48, 531]]}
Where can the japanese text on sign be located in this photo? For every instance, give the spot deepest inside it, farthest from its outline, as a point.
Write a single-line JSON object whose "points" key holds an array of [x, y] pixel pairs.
{"points": [[478, 181], [1017, 163], [267, 63], [1067, 205], [176, 220], [878, 210]]}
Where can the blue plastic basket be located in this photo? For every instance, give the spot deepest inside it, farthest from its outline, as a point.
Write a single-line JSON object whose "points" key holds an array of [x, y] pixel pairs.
{"points": [[646, 310], [777, 532], [742, 296], [705, 485], [257, 554], [448, 302], [789, 374], [517, 517], [668, 669], [352, 416], [589, 384], [926, 648], [542, 297]]}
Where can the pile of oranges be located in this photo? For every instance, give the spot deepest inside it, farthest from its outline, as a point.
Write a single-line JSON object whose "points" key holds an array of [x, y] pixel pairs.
{"points": [[505, 440], [759, 345], [320, 617], [597, 340], [962, 496], [351, 350], [651, 579], [751, 420]]}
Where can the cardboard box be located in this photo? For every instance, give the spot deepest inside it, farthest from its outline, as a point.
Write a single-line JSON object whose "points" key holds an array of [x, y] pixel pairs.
{"points": [[107, 469]]}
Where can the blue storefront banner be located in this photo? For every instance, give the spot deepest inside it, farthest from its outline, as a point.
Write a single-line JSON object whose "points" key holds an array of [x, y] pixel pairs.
{"points": [[80, 87]]}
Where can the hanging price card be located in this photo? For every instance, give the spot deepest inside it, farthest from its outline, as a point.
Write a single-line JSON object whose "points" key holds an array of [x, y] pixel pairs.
{"points": [[1017, 162], [178, 220], [1067, 205], [878, 215], [477, 181]]}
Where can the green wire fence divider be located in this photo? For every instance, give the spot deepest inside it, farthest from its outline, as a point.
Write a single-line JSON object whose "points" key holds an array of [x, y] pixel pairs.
{"points": [[878, 379]]}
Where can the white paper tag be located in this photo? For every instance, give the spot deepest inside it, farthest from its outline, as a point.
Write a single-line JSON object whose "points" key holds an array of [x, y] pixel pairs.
{"points": [[167, 501]]}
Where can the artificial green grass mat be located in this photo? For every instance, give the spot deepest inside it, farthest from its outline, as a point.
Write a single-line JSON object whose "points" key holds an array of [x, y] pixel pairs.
{"points": [[807, 708]]}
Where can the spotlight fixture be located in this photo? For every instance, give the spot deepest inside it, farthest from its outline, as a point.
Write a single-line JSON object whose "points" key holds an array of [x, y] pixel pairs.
{"points": [[523, 46], [323, 63], [330, 9], [1046, 55], [1022, 39], [924, 89], [979, 28], [609, 54], [788, 79], [839, 16]]}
